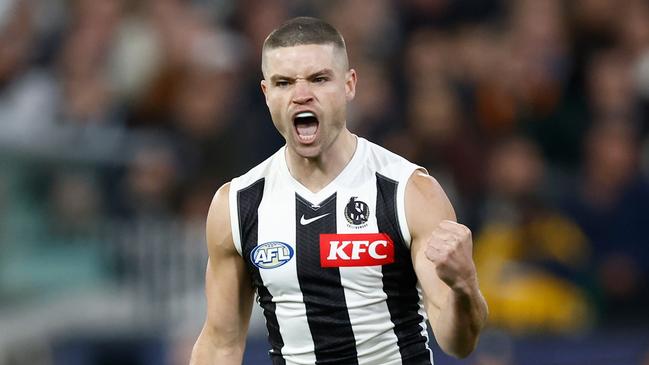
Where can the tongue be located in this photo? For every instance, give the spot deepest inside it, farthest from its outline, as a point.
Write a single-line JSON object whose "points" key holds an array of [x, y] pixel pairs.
{"points": [[307, 129]]}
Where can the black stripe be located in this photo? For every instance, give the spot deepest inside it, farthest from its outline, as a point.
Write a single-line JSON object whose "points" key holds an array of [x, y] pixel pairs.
{"points": [[248, 201], [400, 280], [322, 291]]}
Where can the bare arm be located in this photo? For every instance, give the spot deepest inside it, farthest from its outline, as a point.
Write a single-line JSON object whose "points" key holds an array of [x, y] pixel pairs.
{"points": [[228, 290], [441, 252]]}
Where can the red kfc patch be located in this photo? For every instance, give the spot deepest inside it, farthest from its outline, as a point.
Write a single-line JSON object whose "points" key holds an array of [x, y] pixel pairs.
{"points": [[356, 249]]}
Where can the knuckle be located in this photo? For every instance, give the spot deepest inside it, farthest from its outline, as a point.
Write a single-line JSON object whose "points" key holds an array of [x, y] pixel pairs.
{"points": [[437, 232], [464, 233]]}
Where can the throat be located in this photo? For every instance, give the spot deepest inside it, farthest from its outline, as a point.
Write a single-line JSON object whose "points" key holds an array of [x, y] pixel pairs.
{"points": [[313, 173], [316, 172]]}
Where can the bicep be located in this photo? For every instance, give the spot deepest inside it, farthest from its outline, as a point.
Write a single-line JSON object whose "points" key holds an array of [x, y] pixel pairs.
{"points": [[229, 298], [227, 283], [426, 206]]}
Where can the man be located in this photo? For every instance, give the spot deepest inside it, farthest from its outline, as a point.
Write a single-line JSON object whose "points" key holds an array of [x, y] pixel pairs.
{"points": [[349, 247]]}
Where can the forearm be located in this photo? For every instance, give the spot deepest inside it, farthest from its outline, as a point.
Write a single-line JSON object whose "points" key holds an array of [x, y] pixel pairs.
{"points": [[460, 320], [209, 350]]}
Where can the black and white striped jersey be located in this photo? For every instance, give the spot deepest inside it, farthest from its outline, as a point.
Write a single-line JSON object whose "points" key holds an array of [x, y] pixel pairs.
{"points": [[332, 269]]}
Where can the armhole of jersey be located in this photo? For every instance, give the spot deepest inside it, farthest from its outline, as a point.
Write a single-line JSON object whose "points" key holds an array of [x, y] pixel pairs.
{"points": [[234, 216], [401, 202]]}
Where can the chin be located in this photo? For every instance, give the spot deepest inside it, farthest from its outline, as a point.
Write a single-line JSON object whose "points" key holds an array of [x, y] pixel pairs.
{"points": [[307, 151]]}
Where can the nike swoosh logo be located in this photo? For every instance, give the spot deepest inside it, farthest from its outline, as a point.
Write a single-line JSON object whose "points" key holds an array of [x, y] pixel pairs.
{"points": [[304, 222]]}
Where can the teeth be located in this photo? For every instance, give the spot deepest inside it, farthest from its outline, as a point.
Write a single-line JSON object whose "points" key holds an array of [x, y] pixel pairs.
{"points": [[305, 115]]}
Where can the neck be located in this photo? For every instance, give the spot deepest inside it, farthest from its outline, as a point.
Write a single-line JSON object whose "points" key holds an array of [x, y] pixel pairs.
{"points": [[317, 172]]}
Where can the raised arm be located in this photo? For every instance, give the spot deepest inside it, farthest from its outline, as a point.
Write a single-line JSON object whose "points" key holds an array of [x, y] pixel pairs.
{"points": [[228, 290], [441, 252]]}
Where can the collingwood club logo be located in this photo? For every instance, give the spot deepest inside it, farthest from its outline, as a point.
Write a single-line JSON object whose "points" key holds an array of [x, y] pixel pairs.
{"points": [[357, 213]]}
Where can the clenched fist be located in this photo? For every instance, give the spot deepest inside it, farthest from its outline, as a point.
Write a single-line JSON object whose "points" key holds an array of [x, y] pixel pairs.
{"points": [[450, 248]]}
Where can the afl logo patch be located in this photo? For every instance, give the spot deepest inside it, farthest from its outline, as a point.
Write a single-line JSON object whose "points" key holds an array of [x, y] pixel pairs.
{"points": [[357, 212], [270, 255]]}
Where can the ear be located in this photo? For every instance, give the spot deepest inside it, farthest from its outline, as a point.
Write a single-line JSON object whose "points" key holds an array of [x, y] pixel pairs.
{"points": [[264, 89], [350, 84]]}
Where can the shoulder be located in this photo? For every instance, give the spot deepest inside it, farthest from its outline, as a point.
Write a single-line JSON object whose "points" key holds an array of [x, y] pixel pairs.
{"points": [[386, 162], [426, 203], [220, 202], [236, 200], [425, 187], [218, 229]]}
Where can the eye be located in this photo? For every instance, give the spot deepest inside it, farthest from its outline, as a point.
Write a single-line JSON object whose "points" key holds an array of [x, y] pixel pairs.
{"points": [[281, 83], [320, 79]]}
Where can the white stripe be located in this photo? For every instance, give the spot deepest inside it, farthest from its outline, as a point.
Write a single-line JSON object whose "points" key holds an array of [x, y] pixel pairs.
{"points": [[401, 202], [368, 311], [242, 182], [234, 214], [424, 315], [277, 223]]}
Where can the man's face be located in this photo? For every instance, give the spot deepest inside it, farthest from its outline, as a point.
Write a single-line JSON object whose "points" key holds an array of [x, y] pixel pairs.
{"points": [[307, 88]]}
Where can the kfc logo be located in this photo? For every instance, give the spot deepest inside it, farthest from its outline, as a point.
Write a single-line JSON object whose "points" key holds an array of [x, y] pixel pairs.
{"points": [[360, 249]]}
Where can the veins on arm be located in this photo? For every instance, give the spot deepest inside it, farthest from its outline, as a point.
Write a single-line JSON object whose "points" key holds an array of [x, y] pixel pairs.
{"points": [[456, 315]]}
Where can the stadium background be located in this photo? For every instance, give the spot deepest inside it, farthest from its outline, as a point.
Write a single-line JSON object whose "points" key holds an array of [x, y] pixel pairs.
{"points": [[119, 119]]}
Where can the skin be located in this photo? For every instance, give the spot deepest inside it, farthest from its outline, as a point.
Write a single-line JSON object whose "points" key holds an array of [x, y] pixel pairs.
{"points": [[228, 290], [316, 78], [311, 78], [442, 255]]}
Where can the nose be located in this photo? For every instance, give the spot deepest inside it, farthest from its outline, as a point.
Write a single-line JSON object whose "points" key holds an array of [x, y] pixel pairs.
{"points": [[302, 92]]}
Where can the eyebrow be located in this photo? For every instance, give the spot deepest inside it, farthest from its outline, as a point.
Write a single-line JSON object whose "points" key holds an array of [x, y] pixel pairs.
{"points": [[323, 72]]}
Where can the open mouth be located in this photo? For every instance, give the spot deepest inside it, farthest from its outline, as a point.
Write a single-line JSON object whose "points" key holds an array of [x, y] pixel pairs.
{"points": [[306, 126]]}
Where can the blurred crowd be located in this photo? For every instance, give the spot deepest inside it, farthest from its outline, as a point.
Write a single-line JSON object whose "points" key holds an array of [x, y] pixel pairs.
{"points": [[533, 115]]}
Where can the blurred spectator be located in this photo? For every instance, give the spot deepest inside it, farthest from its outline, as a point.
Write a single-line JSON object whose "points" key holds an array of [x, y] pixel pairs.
{"points": [[27, 95], [376, 38], [439, 139], [446, 12], [610, 86], [186, 44], [633, 30], [202, 114], [538, 46], [374, 113], [196, 202], [592, 23], [635, 41], [525, 88], [531, 259], [426, 58], [136, 52], [208, 127], [75, 204], [86, 89], [256, 19], [609, 204], [150, 187]]}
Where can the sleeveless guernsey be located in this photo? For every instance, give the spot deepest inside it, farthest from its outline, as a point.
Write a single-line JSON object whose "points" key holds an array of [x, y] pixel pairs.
{"points": [[332, 269]]}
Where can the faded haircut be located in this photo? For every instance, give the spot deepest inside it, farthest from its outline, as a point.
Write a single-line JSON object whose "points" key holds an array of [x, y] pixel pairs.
{"points": [[302, 31]]}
